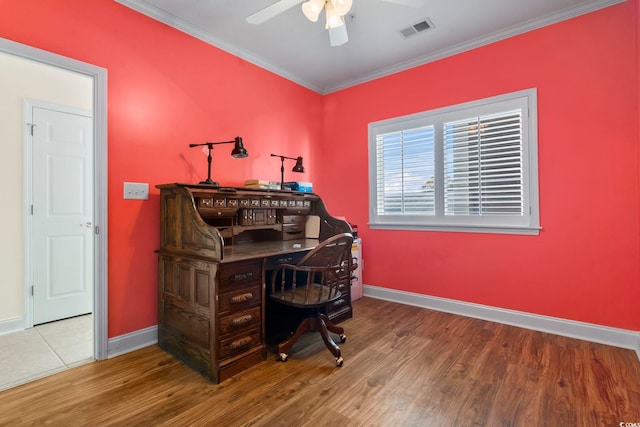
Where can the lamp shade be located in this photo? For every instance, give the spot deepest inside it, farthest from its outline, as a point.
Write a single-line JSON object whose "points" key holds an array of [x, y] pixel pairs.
{"points": [[342, 7], [298, 167], [333, 19], [239, 151], [312, 9]]}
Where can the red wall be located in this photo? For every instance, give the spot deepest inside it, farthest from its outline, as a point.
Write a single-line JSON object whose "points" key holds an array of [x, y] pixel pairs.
{"points": [[165, 91], [584, 265]]}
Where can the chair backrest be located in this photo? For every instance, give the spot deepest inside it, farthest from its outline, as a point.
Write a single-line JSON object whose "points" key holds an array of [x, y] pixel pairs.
{"points": [[329, 253], [318, 276]]}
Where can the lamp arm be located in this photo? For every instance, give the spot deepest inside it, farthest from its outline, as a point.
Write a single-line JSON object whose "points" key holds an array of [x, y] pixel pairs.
{"points": [[209, 144], [284, 157]]}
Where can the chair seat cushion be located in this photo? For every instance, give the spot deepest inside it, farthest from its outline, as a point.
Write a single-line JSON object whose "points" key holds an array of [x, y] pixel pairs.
{"points": [[315, 294]]}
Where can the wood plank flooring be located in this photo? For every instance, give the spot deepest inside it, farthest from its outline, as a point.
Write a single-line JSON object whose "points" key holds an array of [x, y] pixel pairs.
{"points": [[404, 366]]}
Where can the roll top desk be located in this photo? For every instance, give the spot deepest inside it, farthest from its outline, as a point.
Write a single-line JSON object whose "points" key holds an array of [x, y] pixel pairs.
{"points": [[217, 245]]}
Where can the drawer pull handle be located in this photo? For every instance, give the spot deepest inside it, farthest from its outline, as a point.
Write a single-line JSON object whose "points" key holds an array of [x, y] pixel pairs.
{"points": [[242, 276], [238, 299], [284, 260], [338, 303], [242, 342], [242, 320]]}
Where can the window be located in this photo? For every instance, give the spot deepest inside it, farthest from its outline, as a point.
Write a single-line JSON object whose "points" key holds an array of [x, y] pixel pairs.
{"points": [[468, 167]]}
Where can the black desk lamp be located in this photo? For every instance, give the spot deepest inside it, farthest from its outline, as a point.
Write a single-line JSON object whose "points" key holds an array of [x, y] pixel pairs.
{"points": [[297, 168], [239, 152]]}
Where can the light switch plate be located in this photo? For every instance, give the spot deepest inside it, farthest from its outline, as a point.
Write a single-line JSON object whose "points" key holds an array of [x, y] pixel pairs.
{"points": [[136, 190]]}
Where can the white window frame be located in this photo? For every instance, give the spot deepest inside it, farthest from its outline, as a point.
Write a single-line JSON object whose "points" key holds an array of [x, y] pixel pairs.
{"points": [[528, 222]]}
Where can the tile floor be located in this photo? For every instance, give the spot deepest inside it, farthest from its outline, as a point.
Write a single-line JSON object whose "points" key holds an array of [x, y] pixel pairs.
{"points": [[44, 350]]}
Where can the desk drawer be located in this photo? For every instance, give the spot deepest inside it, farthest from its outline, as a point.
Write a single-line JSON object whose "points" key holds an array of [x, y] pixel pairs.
{"points": [[338, 304], [292, 231], [290, 258], [236, 274], [340, 309], [294, 219], [241, 299], [239, 343], [238, 321]]}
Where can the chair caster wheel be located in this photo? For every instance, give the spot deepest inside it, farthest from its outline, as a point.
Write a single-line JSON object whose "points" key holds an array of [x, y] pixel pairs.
{"points": [[339, 361], [283, 357], [343, 338]]}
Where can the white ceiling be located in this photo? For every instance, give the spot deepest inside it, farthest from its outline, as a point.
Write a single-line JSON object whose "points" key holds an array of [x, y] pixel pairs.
{"points": [[297, 49]]}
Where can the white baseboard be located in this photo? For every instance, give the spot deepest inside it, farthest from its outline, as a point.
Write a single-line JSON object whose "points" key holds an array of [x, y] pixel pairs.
{"points": [[585, 331], [569, 328], [14, 324], [132, 341]]}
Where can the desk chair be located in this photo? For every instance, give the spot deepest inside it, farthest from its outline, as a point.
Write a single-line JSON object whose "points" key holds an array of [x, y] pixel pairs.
{"points": [[312, 284]]}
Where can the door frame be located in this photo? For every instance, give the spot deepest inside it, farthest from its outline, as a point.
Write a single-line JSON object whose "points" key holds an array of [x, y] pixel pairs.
{"points": [[100, 285]]}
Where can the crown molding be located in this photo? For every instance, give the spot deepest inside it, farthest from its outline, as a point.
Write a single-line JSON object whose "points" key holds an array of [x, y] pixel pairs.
{"points": [[171, 20], [569, 13]]}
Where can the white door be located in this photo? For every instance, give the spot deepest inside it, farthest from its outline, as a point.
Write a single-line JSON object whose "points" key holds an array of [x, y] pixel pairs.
{"points": [[62, 214]]}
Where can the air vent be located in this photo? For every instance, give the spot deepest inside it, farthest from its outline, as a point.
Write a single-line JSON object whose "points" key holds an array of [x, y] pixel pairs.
{"points": [[416, 28]]}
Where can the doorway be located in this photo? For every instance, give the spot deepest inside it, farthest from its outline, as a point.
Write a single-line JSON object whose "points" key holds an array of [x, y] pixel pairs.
{"points": [[98, 280]]}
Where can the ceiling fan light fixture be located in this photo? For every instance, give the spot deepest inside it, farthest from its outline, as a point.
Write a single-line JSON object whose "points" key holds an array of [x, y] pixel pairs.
{"points": [[312, 9], [341, 7], [333, 19]]}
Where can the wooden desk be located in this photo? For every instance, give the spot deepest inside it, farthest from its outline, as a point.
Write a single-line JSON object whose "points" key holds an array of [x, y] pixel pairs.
{"points": [[217, 246]]}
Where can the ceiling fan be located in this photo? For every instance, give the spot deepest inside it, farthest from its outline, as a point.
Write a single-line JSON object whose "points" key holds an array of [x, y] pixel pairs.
{"points": [[335, 11]]}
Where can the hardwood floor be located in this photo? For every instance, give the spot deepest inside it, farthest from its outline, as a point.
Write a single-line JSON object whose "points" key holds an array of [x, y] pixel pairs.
{"points": [[404, 366]]}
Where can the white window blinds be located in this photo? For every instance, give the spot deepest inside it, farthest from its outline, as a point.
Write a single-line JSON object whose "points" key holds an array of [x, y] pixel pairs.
{"points": [[468, 167], [405, 170], [483, 165]]}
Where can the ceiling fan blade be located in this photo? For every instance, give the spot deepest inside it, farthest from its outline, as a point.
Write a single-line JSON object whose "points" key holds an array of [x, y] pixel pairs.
{"points": [[412, 3], [338, 36], [270, 11]]}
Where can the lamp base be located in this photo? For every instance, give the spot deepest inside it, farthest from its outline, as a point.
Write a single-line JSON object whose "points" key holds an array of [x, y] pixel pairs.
{"points": [[208, 181]]}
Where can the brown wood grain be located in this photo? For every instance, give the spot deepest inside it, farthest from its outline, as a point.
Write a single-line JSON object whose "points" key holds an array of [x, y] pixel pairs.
{"points": [[404, 366]]}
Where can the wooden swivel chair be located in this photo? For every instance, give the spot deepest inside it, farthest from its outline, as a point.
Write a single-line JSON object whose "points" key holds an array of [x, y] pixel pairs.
{"points": [[312, 284]]}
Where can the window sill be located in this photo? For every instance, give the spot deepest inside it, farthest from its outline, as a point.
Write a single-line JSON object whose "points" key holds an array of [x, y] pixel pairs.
{"points": [[530, 231]]}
